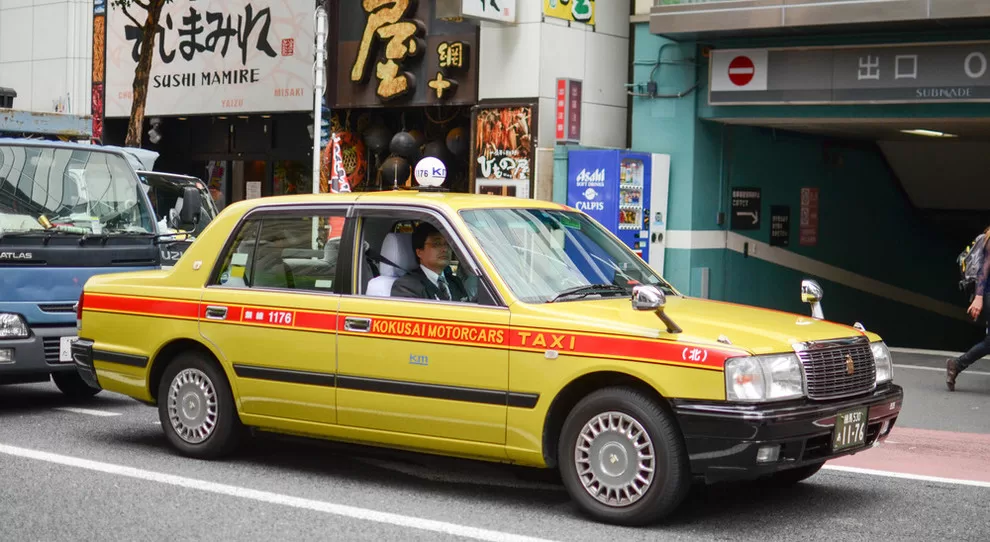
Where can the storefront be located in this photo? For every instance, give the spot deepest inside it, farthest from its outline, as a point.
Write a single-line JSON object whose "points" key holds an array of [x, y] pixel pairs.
{"points": [[230, 94], [404, 86]]}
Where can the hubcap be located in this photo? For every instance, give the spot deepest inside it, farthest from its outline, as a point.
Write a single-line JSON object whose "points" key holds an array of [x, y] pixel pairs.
{"points": [[192, 406], [615, 459]]}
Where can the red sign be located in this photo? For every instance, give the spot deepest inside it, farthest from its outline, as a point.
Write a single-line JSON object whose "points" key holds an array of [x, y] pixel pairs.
{"points": [[741, 70], [809, 217], [568, 111]]}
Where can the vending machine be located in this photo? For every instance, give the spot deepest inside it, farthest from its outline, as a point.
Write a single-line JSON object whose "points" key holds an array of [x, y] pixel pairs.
{"points": [[626, 192]]}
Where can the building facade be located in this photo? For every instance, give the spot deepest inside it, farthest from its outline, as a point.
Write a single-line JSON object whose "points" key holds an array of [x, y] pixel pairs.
{"points": [[843, 141]]}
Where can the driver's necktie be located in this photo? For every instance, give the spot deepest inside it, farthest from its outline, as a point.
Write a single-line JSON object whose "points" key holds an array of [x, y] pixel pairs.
{"points": [[444, 291]]}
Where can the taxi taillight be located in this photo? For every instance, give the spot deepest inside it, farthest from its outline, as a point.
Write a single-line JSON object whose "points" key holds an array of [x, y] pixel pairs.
{"points": [[79, 309]]}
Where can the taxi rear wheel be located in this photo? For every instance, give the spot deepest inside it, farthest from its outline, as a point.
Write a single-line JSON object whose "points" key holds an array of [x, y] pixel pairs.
{"points": [[196, 408], [622, 459]]}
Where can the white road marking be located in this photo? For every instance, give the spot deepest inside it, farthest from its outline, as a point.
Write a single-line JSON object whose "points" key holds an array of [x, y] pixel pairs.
{"points": [[946, 353], [939, 369], [921, 477], [273, 498], [88, 412]]}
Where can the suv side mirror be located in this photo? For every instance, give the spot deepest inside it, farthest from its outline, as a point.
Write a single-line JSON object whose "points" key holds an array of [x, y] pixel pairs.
{"points": [[191, 207], [811, 292]]}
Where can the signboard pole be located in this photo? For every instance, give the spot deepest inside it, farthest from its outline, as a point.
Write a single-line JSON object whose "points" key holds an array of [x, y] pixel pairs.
{"points": [[318, 87]]}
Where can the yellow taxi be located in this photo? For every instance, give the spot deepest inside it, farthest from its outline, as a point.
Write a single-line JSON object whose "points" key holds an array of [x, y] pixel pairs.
{"points": [[486, 327]]}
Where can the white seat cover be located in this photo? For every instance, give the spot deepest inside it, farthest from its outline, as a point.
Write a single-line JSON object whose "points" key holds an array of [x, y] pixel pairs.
{"points": [[396, 248]]}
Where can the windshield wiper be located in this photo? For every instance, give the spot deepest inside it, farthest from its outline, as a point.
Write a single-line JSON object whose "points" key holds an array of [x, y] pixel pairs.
{"points": [[588, 289]]}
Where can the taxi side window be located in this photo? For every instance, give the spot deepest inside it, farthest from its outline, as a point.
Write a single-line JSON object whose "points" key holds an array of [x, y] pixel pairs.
{"points": [[389, 257], [294, 252], [235, 271]]}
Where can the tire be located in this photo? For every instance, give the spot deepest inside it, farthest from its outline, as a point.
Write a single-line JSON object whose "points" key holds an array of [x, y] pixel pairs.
{"points": [[73, 386], [789, 477], [652, 428], [209, 426]]}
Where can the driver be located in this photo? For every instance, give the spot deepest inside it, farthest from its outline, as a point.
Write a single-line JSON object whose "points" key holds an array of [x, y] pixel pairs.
{"points": [[431, 280]]}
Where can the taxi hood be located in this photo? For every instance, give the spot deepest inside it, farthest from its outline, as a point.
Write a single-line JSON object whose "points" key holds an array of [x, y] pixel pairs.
{"points": [[754, 329]]}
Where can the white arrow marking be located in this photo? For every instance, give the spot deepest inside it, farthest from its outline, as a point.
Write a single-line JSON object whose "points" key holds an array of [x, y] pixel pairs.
{"points": [[754, 216]]}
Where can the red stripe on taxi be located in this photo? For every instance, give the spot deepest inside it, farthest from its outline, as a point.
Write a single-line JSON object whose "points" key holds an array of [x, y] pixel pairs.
{"points": [[141, 305]]}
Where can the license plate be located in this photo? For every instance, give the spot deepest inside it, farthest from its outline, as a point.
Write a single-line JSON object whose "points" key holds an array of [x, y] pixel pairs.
{"points": [[65, 348], [850, 429]]}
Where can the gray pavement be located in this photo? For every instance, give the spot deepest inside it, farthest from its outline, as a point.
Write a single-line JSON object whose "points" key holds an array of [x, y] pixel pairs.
{"points": [[46, 501]]}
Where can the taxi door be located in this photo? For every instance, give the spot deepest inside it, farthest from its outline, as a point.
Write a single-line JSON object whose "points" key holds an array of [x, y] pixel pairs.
{"points": [[419, 366], [271, 310]]}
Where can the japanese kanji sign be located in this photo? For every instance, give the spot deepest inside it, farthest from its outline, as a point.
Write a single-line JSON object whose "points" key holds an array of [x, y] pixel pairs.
{"points": [[903, 73], [745, 208], [214, 56], [394, 52], [808, 222], [567, 113]]}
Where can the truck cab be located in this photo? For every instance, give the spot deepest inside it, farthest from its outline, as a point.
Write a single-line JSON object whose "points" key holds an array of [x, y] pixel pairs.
{"points": [[68, 211], [166, 192]]}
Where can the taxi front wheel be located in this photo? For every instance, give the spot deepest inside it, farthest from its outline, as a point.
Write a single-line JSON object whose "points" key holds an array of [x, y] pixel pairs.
{"points": [[196, 408], [622, 459]]}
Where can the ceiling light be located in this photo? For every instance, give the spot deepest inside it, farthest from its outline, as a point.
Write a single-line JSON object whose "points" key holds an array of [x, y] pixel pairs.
{"points": [[929, 133]]}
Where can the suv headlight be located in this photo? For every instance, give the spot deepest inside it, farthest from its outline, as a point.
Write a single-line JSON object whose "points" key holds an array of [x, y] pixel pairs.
{"points": [[885, 365], [764, 378], [12, 326]]}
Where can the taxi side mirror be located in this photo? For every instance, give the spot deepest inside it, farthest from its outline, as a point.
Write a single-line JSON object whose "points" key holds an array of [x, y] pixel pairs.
{"points": [[811, 293], [651, 298]]}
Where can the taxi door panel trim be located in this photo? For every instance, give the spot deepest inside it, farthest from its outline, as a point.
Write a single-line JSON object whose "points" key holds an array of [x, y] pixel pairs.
{"points": [[122, 359], [394, 387], [285, 375]]}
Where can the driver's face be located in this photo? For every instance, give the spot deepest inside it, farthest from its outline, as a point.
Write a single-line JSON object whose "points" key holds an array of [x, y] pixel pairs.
{"points": [[435, 254]]}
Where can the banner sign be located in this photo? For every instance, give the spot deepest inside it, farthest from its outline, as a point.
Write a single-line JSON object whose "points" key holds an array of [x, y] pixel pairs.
{"points": [[503, 144], [909, 73], [214, 56]]}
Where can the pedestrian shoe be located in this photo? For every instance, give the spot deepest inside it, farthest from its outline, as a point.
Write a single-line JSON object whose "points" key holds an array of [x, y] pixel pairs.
{"points": [[951, 370]]}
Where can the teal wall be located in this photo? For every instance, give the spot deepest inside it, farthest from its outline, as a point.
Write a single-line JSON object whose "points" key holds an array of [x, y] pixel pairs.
{"points": [[867, 225]]}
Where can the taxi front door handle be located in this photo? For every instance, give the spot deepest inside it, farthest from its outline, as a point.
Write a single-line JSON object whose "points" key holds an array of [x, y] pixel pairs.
{"points": [[362, 325], [216, 313]]}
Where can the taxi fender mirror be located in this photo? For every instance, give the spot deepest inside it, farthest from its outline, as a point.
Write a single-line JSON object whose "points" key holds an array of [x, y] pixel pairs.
{"points": [[811, 293], [651, 298]]}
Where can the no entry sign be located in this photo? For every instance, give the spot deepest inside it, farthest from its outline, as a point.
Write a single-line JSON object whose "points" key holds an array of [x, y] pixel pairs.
{"points": [[738, 70], [741, 70]]}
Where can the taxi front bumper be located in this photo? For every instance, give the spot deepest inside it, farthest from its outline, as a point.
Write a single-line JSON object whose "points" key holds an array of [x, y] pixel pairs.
{"points": [[723, 439]]}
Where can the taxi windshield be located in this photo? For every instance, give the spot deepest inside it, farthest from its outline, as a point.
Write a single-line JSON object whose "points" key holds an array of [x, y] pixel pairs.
{"points": [[549, 255]]}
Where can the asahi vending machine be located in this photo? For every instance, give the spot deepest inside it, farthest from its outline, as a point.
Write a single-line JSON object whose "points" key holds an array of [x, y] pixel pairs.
{"points": [[626, 192]]}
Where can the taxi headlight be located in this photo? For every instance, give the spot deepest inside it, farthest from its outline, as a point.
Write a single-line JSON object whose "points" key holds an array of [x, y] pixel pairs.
{"points": [[12, 326], [764, 378], [885, 365]]}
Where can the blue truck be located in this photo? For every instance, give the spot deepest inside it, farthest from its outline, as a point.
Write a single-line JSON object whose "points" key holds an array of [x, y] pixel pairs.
{"points": [[68, 211]]}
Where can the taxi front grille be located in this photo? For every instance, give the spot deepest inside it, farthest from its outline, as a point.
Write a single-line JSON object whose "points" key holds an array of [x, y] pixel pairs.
{"points": [[827, 368]]}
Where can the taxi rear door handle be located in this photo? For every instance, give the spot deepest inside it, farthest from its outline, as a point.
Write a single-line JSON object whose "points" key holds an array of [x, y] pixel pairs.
{"points": [[362, 325], [216, 313]]}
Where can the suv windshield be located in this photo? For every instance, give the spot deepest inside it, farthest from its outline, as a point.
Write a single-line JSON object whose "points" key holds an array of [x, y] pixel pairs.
{"points": [[69, 189], [547, 255]]}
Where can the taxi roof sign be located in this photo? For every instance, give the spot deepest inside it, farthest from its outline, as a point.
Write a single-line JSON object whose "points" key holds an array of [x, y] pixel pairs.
{"points": [[430, 172]]}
